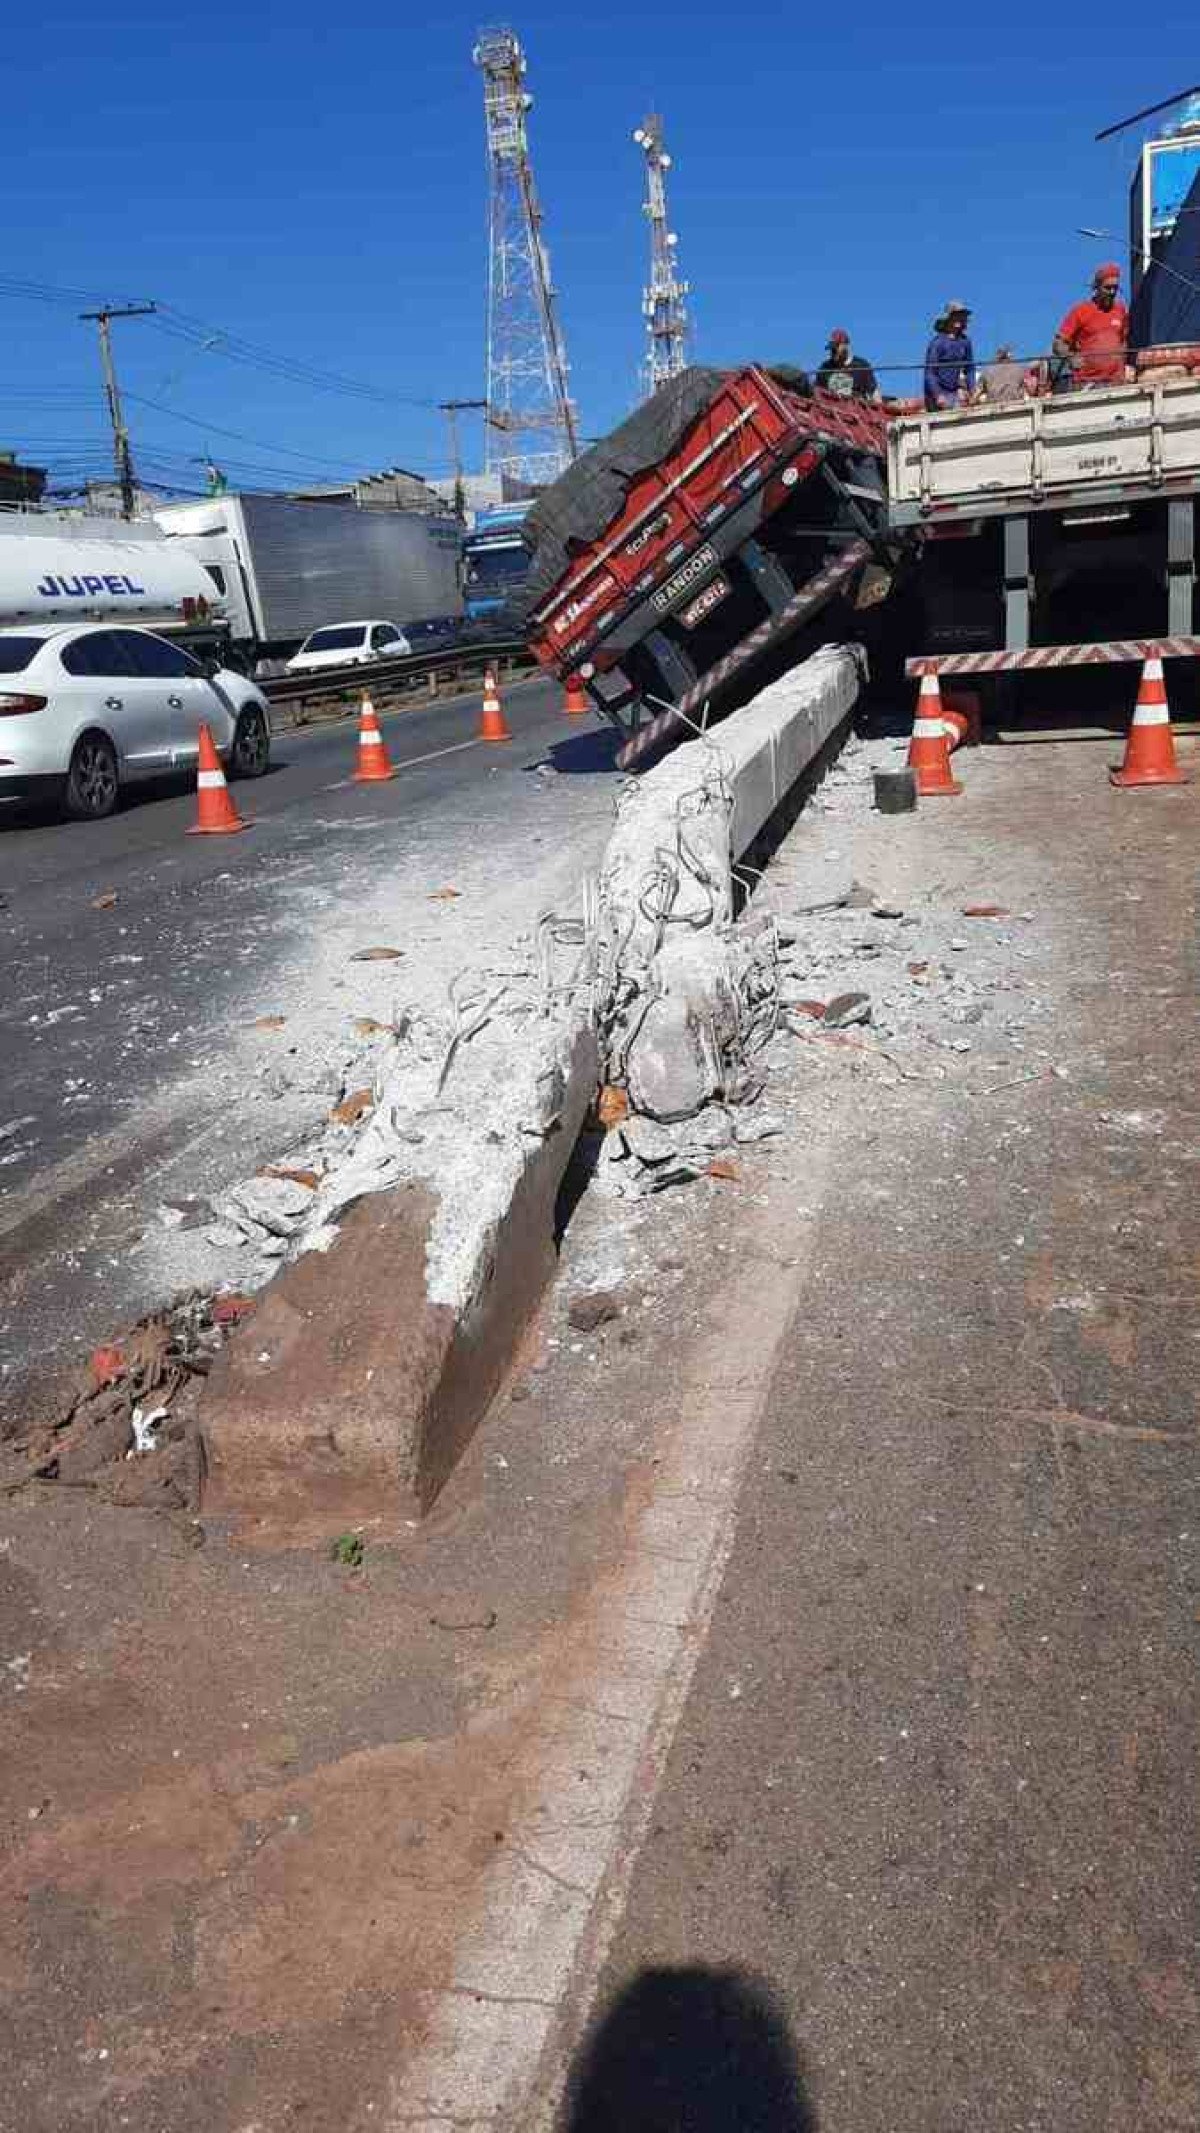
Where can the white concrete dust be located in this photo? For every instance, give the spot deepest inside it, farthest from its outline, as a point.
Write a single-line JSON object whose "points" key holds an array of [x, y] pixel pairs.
{"points": [[461, 915]]}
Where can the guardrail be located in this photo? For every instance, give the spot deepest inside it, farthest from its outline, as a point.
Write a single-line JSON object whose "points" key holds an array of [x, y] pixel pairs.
{"points": [[296, 699]]}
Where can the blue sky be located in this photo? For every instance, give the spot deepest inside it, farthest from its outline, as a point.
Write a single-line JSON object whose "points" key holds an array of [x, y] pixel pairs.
{"points": [[316, 183]]}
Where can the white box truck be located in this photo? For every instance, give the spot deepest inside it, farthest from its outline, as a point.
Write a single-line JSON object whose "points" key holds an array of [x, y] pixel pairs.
{"points": [[284, 568]]}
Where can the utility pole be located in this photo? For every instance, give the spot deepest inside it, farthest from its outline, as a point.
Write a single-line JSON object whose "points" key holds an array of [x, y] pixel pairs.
{"points": [[452, 409], [663, 306], [121, 448], [531, 424]]}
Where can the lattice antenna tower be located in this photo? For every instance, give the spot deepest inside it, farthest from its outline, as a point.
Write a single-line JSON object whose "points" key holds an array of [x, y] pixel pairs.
{"points": [[663, 301], [530, 423]]}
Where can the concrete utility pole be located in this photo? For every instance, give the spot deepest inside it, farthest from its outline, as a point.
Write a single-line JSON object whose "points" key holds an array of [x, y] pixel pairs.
{"points": [[452, 409], [663, 306], [531, 427], [121, 447]]}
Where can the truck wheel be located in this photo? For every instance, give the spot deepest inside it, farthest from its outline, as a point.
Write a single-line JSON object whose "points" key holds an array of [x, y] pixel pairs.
{"points": [[93, 781], [251, 750]]}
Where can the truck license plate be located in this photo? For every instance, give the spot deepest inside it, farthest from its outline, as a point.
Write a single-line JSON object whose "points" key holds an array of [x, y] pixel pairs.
{"points": [[704, 603]]}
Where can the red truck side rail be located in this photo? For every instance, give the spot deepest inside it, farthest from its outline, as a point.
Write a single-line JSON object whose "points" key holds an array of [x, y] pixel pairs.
{"points": [[753, 434]]}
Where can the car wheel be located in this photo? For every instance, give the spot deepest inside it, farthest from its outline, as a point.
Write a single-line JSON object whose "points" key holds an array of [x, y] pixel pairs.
{"points": [[251, 750], [93, 781]]}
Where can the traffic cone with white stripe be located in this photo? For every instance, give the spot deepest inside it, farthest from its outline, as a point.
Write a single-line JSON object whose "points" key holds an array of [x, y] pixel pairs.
{"points": [[492, 726], [1149, 746], [373, 764], [216, 814], [929, 748], [576, 703]]}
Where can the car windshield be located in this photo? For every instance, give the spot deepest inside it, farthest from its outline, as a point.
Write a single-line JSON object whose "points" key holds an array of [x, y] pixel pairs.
{"points": [[16, 653], [338, 640]]}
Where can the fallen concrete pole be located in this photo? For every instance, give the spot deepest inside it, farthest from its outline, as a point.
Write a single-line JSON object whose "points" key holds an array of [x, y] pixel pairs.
{"points": [[373, 1355], [688, 996]]}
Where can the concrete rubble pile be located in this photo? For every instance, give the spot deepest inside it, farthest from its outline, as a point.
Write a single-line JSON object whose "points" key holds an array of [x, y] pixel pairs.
{"points": [[422, 1213], [690, 993], [659, 989], [657, 986]]}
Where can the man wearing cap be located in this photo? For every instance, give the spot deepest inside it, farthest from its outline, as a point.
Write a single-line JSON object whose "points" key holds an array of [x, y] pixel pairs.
{"points": [[846, 375], [1093, 337], [950, 359]]}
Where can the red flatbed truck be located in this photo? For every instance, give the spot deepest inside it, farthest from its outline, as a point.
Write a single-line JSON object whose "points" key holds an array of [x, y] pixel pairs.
{"points": [[664, 578]]}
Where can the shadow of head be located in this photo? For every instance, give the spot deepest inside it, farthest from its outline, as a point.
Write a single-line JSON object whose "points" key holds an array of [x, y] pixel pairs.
{"points": [[690, 2051]]}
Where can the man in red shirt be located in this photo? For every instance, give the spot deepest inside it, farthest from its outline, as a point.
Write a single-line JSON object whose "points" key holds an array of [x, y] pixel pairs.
{"points": [[1093, 337]]}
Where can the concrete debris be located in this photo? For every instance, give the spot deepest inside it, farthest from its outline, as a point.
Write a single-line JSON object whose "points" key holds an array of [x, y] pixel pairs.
{"points": [[647, 1141], [756, 1126], [181, 1214], [847, 1009], [144, 1426], [135, 1398], [276, 1205]]}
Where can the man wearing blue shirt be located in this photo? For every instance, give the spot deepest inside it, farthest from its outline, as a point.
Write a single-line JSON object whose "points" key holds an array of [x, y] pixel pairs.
{"points": [[950, 359]]}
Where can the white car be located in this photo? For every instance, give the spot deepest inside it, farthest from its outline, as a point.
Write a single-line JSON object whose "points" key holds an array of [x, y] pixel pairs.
{"points": [[349, 644], [86, 708]]}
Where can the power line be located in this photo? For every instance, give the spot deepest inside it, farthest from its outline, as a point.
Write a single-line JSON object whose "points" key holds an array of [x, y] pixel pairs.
{"points": [[199, 422], [239, 350], [181, 325]]}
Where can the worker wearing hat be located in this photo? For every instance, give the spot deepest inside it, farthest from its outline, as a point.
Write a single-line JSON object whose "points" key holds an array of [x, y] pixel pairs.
{"points": [[1093, 339], [950, 359], [845, 374]]}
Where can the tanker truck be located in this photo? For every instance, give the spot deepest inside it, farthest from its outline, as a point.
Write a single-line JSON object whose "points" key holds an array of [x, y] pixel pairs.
{"points": [[59, 568]]}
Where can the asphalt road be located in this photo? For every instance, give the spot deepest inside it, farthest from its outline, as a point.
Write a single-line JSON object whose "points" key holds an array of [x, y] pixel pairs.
{"points": [[114, 1020]]}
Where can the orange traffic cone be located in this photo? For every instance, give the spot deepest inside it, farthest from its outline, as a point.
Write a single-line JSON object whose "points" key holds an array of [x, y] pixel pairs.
{"points": [[962, 711], [1149, 746], [929, 748], [492, 725], [216, 814], [576, 703], [373, 765]]}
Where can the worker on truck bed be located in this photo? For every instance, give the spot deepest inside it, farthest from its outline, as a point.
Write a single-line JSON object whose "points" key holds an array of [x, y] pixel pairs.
{"points": [[950, 359], [1004, 379], [1092, 340], [849, 376]]}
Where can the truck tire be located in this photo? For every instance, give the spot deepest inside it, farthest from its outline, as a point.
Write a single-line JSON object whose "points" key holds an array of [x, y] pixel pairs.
{"points": [[93, 784]]}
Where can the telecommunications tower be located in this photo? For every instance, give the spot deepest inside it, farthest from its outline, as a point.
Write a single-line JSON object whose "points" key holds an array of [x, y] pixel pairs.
{"points": [[530, 420], [663, 304]]}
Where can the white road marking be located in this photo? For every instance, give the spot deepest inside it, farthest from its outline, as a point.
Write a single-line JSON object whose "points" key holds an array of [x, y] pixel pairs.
{"points": [[410, 762]]}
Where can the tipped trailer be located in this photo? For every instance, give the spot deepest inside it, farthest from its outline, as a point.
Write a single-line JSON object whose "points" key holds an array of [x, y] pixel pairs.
{"points": [[736, 514]]}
